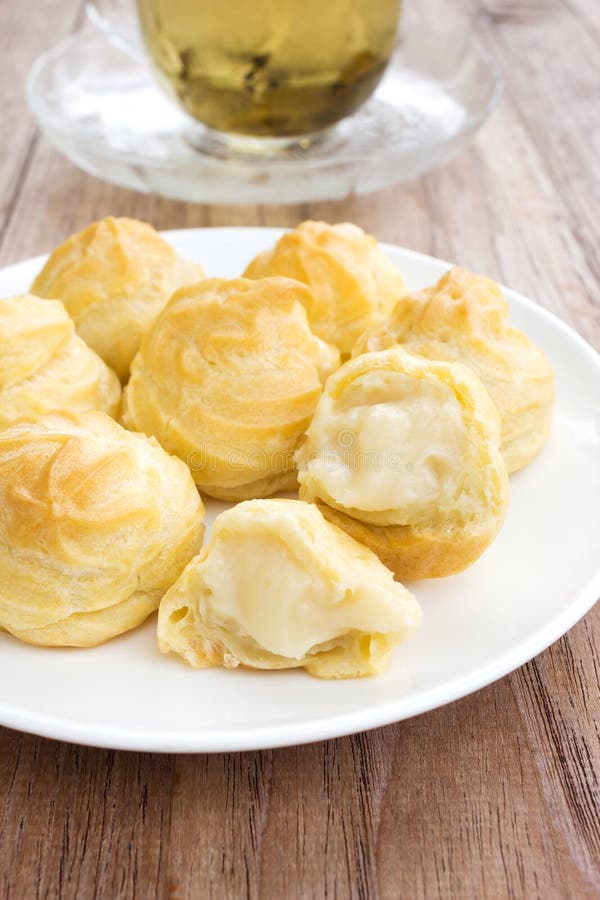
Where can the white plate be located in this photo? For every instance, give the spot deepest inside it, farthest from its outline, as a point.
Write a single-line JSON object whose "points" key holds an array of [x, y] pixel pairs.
{"points": [[538, 578]]}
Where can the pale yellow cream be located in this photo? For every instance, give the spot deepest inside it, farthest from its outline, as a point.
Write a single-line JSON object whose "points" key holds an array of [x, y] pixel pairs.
{"points": [[278, 586], [262, 591], [389, 443]]}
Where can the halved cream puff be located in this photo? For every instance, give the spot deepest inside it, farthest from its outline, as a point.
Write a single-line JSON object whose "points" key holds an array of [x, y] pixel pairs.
{"points": [[404, 454], [278, 587]]}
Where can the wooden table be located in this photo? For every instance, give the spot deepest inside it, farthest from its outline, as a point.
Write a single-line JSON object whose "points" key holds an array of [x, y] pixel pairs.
{"points": [[494, 796]]}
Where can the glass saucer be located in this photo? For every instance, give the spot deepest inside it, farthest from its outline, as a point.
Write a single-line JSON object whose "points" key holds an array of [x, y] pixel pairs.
{"points": [[101, 107]]}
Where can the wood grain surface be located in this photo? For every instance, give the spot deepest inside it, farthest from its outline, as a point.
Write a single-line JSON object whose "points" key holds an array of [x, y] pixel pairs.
{"points": [[495, 796]]}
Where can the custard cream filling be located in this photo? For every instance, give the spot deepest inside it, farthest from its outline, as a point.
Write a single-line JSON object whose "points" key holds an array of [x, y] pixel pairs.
{"points": [[391, 445], [264, 592]]}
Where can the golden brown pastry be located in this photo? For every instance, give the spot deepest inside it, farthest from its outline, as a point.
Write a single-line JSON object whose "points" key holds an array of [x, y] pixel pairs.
{"points": [[404, 455], [114, 277], [353, 284], [278, 587], [228, 379], [464, 318], [95, 524], [44, 366]]}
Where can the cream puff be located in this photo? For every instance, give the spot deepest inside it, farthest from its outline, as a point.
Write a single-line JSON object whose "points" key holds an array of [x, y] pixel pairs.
{"points": [[353, 284], [114, 277], [44, 366], [404, 454], [95, 524], [464, 318], [228, 378], [278, 587]]}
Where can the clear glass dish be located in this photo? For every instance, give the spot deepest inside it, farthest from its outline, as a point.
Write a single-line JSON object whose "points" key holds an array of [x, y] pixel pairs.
{"points": [[100, 106]]}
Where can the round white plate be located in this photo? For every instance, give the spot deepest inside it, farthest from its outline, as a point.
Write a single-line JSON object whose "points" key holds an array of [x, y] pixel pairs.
{"points": [[538, 578]]}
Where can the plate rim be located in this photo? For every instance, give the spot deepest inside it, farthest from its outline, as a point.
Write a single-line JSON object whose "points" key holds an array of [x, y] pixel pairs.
{"points": [[326, 727]]}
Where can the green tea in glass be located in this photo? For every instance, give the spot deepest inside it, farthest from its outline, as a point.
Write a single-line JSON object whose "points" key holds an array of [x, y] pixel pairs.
{"points": [[269, 68]]}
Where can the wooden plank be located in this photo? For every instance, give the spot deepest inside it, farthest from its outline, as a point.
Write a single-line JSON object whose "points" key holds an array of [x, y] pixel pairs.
{"points": [[557, 695], [22, 38]]}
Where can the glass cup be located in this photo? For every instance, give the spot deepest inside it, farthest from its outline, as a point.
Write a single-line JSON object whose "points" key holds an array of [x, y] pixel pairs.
{"points": [[260, 73]]}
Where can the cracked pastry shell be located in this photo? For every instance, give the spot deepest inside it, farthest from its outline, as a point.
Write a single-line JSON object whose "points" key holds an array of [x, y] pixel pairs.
{"points": [[228, 378], [279, 587], [353, 284], [95, 524], [404, 454], [44, 366], [464, 318], [114, 277]]}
